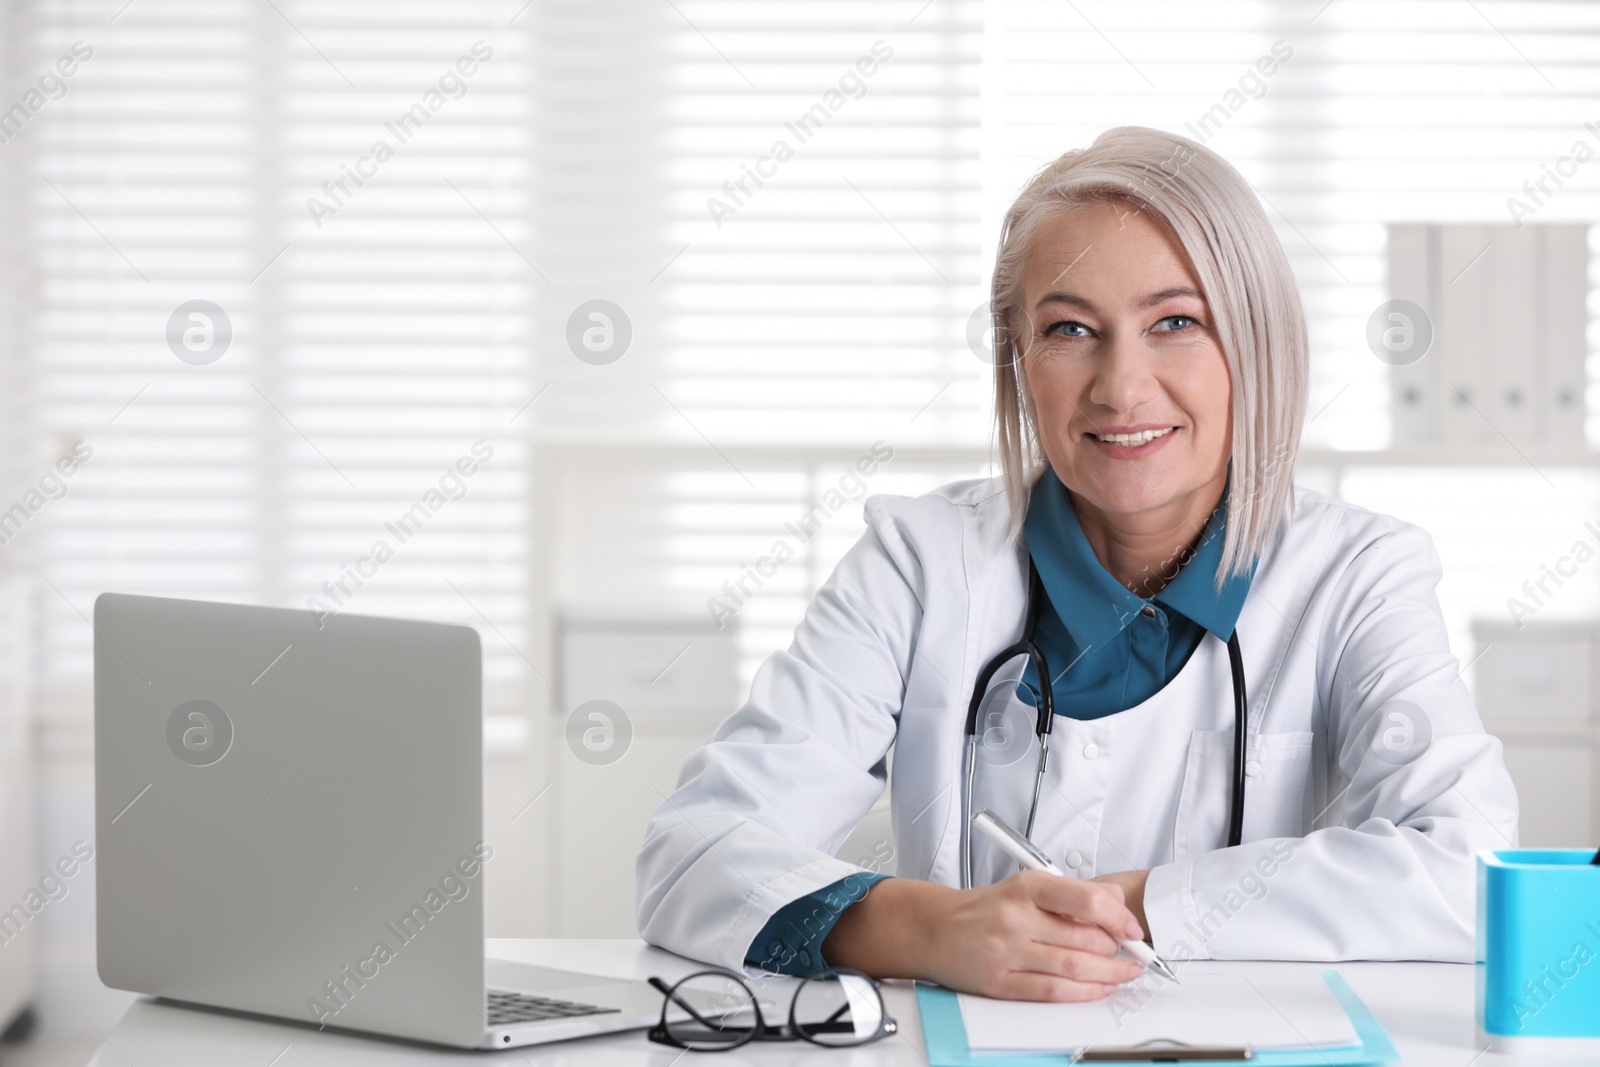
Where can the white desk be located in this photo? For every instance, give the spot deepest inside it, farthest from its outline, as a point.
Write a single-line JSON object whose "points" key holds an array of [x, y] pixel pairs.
{"points": [[1426, 1007]]}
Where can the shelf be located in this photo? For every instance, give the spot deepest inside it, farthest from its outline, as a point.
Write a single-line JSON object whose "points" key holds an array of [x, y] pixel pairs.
{"points": [[1485, 455]]}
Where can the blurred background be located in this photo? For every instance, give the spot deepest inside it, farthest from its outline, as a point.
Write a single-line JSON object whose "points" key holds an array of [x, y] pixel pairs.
{"points": [[662, 272]]}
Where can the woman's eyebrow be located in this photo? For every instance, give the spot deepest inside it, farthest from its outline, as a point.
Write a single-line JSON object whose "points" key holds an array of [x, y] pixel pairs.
{"points": [[1150, 301], [1167, 294], [1066, 298]]}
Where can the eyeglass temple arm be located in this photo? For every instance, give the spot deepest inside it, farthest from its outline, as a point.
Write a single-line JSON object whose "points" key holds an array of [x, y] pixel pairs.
{"points": [[843, 1008]]}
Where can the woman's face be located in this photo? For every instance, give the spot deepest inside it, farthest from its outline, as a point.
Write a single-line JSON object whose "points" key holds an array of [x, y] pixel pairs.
{"points": [[1120, 352]]}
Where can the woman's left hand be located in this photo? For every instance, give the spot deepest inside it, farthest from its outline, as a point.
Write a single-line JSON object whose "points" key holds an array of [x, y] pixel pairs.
{"points": [[1132, 883]]}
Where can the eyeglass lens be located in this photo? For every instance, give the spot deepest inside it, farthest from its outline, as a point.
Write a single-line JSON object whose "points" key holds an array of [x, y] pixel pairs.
{"points": [[838, 1009], [710, 1011]]}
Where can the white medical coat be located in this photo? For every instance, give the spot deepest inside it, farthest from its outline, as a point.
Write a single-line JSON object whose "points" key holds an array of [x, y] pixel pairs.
{"points": [[1371, 782]]}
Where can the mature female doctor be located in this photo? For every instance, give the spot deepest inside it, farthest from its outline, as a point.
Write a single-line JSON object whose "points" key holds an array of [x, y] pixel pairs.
{"points": [[1259, 745]]}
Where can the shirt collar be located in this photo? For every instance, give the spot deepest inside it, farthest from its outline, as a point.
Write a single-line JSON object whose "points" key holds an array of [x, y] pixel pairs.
{"points": [[1098, 605], [1092, 605]]}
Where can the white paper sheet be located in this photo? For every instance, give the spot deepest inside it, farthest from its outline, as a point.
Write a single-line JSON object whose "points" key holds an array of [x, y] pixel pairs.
{"points": [[1265, 1010]]}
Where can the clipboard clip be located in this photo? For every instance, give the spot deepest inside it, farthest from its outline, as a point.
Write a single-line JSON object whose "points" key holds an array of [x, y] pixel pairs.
{"points": [[1162, 1050]]}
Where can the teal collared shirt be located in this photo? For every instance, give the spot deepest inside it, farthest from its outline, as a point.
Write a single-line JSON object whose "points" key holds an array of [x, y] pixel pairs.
{"points": [[1108, 649]]}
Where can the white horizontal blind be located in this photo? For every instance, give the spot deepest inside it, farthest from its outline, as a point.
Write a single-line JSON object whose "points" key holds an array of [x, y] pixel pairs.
{"points": [[379, 330], [1429, 110], [587, 161], [382, 324], [783, 200], [1384, 112]]}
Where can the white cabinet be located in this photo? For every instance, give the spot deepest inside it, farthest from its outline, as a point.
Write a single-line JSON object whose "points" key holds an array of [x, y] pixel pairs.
{"points": [[601, 813], [1555, 788], [634, 697], [1535, 689]]}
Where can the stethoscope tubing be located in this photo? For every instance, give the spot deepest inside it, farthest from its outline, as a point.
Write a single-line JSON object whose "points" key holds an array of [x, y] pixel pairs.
{"points": [[1241, 719], [1045, 720]]}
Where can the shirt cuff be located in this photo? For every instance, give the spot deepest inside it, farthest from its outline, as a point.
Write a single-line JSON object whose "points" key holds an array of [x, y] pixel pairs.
{"points": [[1167, 892], [791, 942]]}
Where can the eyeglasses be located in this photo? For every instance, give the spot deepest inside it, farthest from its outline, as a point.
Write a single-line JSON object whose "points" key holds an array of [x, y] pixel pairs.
{"points": [[713, 1011]]}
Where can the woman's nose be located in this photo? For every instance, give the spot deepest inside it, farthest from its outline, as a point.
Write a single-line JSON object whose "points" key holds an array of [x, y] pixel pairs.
{"points": [[1123, 376]]}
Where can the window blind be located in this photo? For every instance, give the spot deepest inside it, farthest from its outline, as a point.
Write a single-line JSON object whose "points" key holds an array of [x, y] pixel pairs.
{"points": [[1372, 113], [808, 300], [786, 214], [345, 186]]}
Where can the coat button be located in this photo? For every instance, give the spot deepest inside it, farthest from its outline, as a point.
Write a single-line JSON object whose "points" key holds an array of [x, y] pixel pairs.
{"points": [[1074, 860], [1252, 768], [1091, 750], [1148, 612]]}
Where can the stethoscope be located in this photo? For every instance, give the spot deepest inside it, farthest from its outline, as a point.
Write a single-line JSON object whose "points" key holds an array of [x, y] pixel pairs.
{"points": [[1046, 716]]}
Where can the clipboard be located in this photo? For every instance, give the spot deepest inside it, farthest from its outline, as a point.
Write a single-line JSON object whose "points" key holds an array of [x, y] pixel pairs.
{"points": [[945, 1037]]}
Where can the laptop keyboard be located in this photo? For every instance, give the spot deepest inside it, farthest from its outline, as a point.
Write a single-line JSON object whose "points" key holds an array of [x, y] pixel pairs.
{"points": [[507, 1008]]}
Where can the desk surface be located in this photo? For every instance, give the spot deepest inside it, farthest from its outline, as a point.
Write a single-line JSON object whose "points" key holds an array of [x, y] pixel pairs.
{"points": [[1426, 1007]]}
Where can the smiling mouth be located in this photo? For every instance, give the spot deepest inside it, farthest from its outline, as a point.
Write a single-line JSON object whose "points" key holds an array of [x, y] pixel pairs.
{"points": [[1143, 437]]}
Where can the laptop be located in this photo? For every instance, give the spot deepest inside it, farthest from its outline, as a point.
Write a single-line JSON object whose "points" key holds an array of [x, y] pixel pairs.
{"points": [[289, 821]]}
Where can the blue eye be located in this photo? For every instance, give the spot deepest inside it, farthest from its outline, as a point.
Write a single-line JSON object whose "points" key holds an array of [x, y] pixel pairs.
{"points": [[1067, 328], [1183, 321]]}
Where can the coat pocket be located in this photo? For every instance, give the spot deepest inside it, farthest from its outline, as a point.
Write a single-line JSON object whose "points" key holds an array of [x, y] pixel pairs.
{"points": [[1274, 794]]}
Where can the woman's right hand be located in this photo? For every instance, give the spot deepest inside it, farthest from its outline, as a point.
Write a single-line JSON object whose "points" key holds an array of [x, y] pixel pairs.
{"points": [[1033, 936]]}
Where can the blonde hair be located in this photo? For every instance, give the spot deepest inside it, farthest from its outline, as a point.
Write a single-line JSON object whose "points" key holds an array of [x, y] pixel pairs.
{"points": [[1244, 276]]}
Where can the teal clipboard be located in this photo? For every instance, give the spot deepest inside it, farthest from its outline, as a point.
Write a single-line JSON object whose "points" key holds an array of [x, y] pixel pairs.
{"points": [[945, 1036]]}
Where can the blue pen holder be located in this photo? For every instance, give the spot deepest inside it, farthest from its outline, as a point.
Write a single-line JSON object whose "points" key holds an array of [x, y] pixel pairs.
{"points": [[1539, 951]]}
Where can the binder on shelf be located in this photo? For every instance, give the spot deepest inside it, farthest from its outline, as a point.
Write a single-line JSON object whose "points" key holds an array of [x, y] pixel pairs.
{"points": [[1564, 285], [1517, 351], [944, 1037], [1414, 399], [1461, 360], [1508, 309]]}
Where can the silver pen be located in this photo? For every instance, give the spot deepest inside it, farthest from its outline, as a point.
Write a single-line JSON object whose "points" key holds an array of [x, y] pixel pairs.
{"points": [[1028, 854]]}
